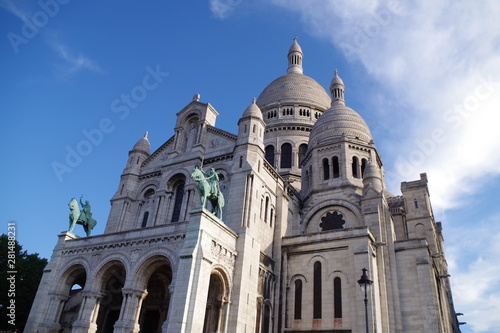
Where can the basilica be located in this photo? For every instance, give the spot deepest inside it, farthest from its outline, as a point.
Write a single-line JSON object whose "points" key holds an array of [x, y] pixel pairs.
{"points": [[271, 229]]}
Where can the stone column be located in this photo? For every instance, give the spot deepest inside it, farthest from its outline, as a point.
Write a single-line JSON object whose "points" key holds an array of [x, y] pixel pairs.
{"points": [[89, 309], [295, 158], [54, 309], [130, 310], [171, 288]]}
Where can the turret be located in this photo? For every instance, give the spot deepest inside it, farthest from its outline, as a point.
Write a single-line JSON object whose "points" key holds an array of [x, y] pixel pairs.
{"points": [[251, 126], [141, 151], [372, 178]]}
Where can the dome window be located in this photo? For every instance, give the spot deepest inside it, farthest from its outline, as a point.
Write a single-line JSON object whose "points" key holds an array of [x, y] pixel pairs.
{"points": [[355, 164], [270, 154], [336, 167], [286, 155], [326, 169]]}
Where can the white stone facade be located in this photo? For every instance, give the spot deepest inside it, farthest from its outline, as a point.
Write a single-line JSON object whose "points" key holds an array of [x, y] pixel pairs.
{"points": [[306, 210]]}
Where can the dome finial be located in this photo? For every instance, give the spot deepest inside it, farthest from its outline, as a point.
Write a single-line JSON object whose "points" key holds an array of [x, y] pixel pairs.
{"points": [[146, 135], [337, 88], [295, 58]]}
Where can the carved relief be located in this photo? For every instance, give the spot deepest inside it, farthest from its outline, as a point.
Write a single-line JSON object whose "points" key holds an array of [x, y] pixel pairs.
{"points": [[223, 255]]}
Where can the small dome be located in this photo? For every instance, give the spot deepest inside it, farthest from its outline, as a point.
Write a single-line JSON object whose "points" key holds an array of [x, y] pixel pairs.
{"points": [[339, 121], [295, 47], [252, 111], [336, 79], [143, 145], [294, 88]]}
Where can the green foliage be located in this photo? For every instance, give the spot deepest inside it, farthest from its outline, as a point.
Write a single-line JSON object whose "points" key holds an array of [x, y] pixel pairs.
{"points": [[29, 270]]}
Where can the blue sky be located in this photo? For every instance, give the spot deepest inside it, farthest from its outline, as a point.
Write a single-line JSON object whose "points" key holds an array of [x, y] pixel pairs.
{"points": [[424, 75]]}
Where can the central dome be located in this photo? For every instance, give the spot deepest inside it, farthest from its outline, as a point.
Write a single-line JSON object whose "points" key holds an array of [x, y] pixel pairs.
{"points": [[294, 88]]}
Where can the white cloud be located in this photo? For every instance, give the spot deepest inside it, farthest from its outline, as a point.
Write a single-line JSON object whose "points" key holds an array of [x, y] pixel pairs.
{"points": [[74, 62], [222, 9], [475, 286], [77, 62], [14, 9]]}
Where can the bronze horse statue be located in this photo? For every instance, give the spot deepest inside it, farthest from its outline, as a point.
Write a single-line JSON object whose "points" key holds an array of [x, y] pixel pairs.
{"points": [[208, 187], [83, 217]]}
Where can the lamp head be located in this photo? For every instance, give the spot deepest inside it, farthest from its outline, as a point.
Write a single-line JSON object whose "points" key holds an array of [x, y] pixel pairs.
{"points": [[364, 281]]}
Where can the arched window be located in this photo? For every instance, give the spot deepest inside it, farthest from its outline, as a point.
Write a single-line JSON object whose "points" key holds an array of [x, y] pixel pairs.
{"points": [[145, 220], [213, 311], [337, 298], [336, 167], [297, 309], [355, 163], [286, 155], [317, 291], [271, 218], [302, 153], [149, 193], [265, 209], [179, 196], [270, 154], [363, 166], [326, 169]]}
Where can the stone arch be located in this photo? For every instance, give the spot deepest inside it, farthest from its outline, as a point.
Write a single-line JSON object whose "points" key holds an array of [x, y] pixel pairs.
{"points": [[338, 273], [146, 267], [298, 276], [67, 269], [151, 184], [109, 281], [217, 300], [154, 276], [67, 300]]}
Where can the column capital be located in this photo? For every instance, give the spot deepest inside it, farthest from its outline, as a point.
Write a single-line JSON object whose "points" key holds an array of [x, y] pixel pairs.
{"points": [[141, 294]]}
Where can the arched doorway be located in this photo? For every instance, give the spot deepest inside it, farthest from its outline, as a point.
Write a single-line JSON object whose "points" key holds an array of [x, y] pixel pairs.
{"points": [[74, 284], [110, 305], [215, 305], [154, 308]]}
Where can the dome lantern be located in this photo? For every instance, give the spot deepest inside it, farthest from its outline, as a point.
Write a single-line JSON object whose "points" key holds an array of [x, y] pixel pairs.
{"points": [[337, 89], [295, 58]]}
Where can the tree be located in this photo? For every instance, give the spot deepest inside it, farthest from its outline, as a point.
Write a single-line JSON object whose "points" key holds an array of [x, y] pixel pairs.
{"points": [[20, 286]]}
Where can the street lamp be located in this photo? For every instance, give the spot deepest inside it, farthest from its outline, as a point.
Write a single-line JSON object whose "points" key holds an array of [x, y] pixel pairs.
{"points": [[364, 282]]}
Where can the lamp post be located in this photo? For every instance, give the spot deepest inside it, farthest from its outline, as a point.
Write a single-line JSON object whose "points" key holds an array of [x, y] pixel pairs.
{"points": [[364, 282]]}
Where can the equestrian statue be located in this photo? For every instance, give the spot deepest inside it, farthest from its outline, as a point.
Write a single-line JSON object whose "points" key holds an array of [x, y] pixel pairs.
{"points": [[208, 188], [83, 217]]}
